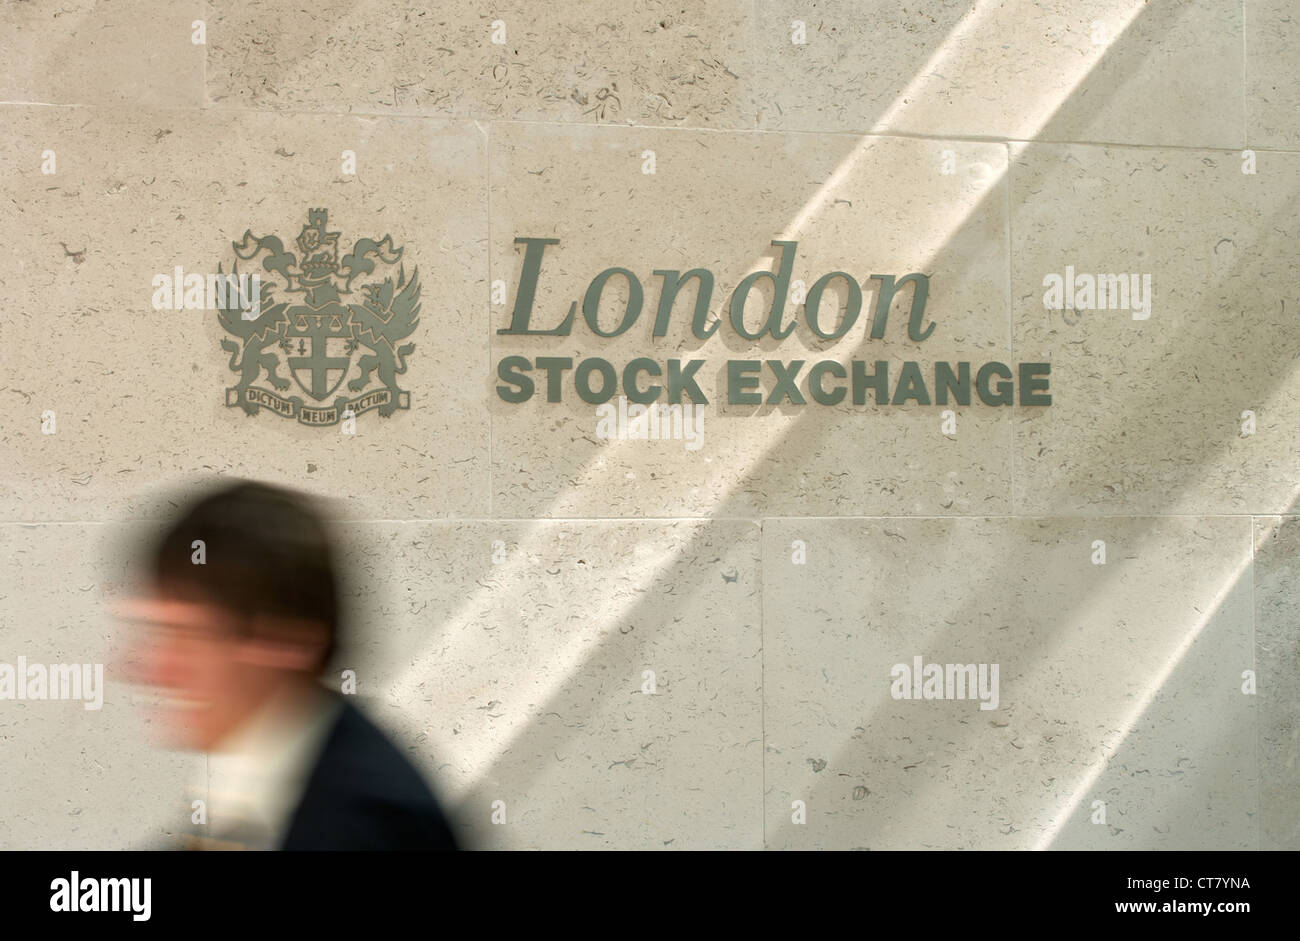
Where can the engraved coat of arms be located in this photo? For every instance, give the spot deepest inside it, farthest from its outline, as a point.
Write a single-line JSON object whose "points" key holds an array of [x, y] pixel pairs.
{"points": [[311, 321]]}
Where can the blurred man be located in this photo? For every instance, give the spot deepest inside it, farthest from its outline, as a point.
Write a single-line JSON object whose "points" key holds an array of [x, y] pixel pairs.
{"points": [[242, 619]]}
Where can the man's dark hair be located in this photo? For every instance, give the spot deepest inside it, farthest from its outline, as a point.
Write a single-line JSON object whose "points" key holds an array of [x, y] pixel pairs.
{"points": [[267, 551]]}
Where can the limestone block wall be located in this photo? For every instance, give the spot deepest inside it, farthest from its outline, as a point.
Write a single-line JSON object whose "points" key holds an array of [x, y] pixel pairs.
{"points": [[693, 640]]}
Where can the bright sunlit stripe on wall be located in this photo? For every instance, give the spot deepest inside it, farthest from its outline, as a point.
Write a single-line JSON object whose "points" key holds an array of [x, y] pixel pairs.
{"points": [[1130, 721], [478, 753], [1161, 677]]}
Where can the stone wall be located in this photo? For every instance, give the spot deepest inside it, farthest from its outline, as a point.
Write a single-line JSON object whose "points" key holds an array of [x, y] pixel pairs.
{"points": [[520, 578]]}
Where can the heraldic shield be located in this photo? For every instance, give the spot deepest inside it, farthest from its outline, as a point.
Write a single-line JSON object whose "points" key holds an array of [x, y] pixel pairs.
{"points": [[319, 347], [341, 305]]}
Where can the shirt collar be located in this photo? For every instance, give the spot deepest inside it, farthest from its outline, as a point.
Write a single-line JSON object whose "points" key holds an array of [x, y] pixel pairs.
{"points": [[256, 776]]}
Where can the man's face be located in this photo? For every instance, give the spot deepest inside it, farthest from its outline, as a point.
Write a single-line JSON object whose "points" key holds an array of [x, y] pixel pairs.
{"points": [[198, 661]]}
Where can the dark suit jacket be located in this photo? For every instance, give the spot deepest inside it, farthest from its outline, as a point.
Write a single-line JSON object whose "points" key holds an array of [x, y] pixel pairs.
{"points": [[363, 794]]}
